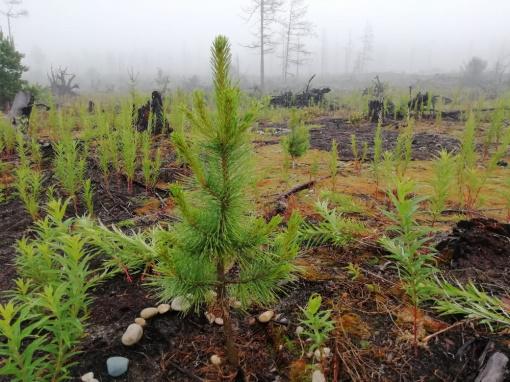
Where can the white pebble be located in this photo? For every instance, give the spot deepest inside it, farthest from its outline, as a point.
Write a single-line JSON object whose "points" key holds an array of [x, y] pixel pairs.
{"points": [[325, 354], [87, 377], [318, 376], [218, 321], [210, 317], [215, 360], [149, 313], [266, 316], [132, 335], [163, 308]]}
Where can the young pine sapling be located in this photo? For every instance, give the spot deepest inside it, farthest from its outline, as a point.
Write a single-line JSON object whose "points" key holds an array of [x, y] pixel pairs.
{"points": [[298, 140], [218, 230]]}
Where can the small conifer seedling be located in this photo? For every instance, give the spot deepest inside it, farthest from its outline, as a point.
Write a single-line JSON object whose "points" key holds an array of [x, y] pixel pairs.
{"points": [[298, 140], [219, 251]]}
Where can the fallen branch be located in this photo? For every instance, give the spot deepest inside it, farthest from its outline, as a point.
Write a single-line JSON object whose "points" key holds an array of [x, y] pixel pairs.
{"points": [[302, 186], [469, 212], [426, 339]]}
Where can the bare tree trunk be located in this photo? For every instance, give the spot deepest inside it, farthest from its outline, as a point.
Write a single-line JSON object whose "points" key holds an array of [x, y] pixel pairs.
{"points": [[9, 28], [262, 82], [297, 62], [287, 51], [348, 52]]}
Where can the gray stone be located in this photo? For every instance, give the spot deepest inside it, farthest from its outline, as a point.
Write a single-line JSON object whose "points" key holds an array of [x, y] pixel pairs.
{"points": [[495, 369], [117, 366]]}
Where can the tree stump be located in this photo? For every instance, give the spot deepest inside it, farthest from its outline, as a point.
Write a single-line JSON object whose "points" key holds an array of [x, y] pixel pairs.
{"points": [[375, 110]]}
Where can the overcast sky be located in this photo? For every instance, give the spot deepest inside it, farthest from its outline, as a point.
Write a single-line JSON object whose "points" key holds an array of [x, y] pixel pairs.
{"points": [[104, 37]]}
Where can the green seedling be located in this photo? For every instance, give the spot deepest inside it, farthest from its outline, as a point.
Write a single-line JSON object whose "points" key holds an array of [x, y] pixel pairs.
{"points": [[29, 184], [414, 258], [318, 323]]}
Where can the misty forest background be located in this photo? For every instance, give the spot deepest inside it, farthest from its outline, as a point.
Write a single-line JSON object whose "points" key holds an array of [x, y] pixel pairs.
{"points": [[157, 46]]}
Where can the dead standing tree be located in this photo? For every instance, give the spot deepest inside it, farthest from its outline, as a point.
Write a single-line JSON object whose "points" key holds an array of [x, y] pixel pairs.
{"points": [[376, 105], [295, 30], [61, 82], [265, 13]]}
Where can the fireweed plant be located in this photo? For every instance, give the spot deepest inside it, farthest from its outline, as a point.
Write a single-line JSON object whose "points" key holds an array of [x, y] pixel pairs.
{"points": [[470, 301], [358, 160], [314, 169], [28, 185], [471, 181], [9, 137], [377, 155], [334, 228], [129, 146], [44, 320], [35, 153], [443, 168], [114, 153], [333, 163], [103, 150], [414, 259], [87, 196], [20, 148], [150, 167], [287, 160], [403, 151], [69, 166], [318, 324]]}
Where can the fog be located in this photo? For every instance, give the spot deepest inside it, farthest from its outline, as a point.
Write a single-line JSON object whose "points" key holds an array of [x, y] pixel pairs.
{"points": [[100, 39]]}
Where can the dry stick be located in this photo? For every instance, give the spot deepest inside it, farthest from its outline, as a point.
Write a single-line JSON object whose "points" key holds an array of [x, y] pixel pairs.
{"points": [[302, 187], [426, 339], [467, 212], [163, 203], [185, 372]]}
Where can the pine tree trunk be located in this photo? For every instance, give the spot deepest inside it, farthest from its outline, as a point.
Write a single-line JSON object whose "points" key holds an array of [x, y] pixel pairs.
{"points": [[232, 355]]}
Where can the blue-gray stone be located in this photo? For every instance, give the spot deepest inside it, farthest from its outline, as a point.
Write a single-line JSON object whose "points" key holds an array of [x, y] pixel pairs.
{"points": [[117, 365]]}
